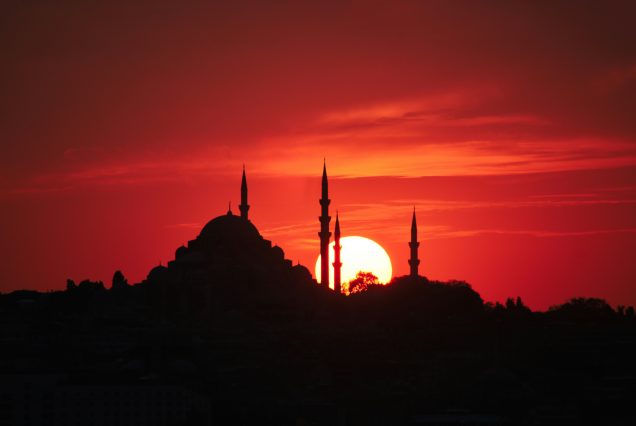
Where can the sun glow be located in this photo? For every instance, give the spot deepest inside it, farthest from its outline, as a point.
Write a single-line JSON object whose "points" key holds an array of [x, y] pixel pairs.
{"points": [[359, 254]]}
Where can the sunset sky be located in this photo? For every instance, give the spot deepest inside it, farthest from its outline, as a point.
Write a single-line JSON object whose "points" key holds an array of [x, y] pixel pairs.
{"points": [[510, 127]]}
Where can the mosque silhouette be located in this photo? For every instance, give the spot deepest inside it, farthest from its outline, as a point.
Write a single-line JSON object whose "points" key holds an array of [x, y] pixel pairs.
{"points": [[231, 332], [230, 249]]}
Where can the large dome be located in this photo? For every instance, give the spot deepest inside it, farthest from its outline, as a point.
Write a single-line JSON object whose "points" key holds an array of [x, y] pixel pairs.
{"points": [[229, 228]]}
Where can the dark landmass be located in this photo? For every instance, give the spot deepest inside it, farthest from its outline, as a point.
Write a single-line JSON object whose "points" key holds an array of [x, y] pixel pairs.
{"points": [[230, 332]]}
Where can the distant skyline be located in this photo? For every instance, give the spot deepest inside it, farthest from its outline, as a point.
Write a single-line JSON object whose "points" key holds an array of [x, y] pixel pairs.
{"points": [[510, 127]]}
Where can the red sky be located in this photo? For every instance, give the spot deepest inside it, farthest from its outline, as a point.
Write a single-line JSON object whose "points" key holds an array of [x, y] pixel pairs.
{"points": [[510, 127]]}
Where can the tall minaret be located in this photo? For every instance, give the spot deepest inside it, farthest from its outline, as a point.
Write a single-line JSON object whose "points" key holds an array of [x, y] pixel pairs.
{"points": [[414, 262], [324, 233], [336, 256], [244, 207]]}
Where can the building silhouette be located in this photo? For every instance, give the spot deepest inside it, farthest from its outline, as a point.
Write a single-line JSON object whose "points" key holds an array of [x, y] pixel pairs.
{"points": [[337, 264], [414, 262], [324, 233], [220, 264], [244, 207], [230, 250], [247, 338]]}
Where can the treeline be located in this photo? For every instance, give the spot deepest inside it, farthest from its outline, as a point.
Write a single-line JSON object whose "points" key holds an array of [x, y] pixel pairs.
{"points": [[404, 295]]}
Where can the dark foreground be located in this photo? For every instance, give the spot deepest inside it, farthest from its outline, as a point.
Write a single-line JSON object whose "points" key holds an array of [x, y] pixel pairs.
{"points": [[412, 353]]}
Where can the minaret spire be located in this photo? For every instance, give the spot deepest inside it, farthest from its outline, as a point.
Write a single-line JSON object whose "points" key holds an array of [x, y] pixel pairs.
{"points": [[336, 256], [244, 207], [324, 233], [325, 183], [414, 262]]}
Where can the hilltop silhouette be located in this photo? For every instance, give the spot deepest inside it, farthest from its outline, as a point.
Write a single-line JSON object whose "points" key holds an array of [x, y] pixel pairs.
{"points": [[231, 332]]}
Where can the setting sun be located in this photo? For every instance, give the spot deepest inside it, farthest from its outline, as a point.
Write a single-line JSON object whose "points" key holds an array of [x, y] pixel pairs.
{"points": [[359, 254]]}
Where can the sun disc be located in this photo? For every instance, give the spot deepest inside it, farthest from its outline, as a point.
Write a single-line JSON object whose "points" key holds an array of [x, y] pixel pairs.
{"points": [[359, 254]]}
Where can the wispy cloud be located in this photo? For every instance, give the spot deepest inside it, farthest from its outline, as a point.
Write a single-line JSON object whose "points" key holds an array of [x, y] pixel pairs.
{"points": [[527, 232], [442, 134]]}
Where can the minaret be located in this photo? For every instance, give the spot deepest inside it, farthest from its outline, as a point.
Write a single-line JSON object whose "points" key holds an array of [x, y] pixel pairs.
{"points": [[336, 256], [414, 262], [244, 207], [324, 233]]}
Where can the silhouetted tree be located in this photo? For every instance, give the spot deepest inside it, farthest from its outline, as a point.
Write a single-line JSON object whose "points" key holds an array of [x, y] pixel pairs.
{"points": [[88, 286], [119, 281], [519, 304], [496, 307], [514, 307], [510, 304], [362, 282], [583, 309], [625, 311], [70, 285]]}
